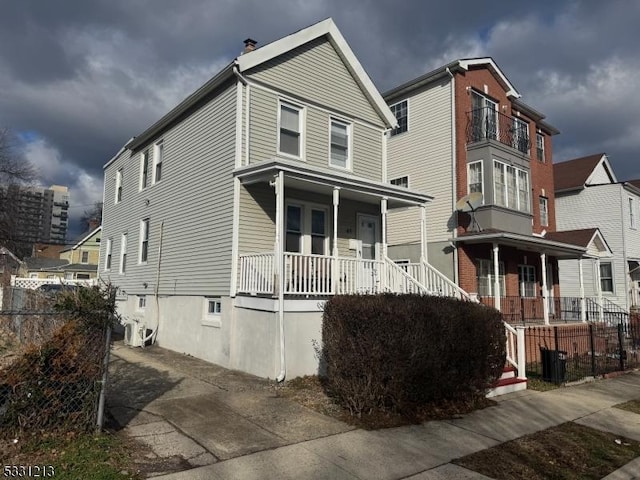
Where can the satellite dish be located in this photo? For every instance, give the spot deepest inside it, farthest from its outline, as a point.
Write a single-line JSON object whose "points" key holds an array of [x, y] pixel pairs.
{"points": [[470, 203]]}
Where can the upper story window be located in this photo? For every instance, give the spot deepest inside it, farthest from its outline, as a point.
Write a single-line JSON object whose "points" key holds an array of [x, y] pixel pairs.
{"points": [[544, 211], [144, 169], [520, 135], [632, 213], [401, 112], [85, 257], [484, 118], [510, 187], [290, 130], [158, 156], [540, 146], [123, 254], [475, 177], [144, 240], [340, 141], [118, 186], [107, 263], [400, 182]]}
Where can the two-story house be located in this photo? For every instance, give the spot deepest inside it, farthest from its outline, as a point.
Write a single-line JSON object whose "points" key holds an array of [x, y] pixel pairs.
{"points": [[587, 194], [229, 221], [466, 137]]}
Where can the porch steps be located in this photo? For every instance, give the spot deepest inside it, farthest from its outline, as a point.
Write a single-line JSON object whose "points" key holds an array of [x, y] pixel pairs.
{"points": [[508, 383]]}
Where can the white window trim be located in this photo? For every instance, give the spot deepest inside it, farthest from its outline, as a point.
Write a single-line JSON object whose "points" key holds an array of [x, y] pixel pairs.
{"points": [[157, 148], [305, 225], [491, 283], [481, 163], [349, 125], [521, 285], [540, 135], [123, 252], [542, 199], [503, 167], [611, 292], [141, 303], [212, 319], [108, 257], [118, 188], [302, 116], [633, 218], [144, 159], [144, 228], [391, 134], [82, 252]]}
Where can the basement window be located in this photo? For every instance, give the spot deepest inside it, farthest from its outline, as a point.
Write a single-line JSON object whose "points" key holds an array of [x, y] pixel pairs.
{"points": [[212, 312]]}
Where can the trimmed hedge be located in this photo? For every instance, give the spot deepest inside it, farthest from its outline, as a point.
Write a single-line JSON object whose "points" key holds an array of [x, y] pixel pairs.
{"points": [[399, 352]]}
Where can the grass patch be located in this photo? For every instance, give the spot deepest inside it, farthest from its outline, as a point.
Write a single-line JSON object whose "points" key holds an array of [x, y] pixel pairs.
{"points": [[101, 457], [568, 451], [309, 392], [631, 406], [539, 385]]}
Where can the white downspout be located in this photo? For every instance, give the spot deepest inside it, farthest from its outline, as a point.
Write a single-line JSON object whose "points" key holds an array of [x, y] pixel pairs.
{"points": [[154, 334], [280, 263]]}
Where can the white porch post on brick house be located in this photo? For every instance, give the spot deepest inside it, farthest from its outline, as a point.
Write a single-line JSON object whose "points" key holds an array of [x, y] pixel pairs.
{"points": [[583, 303], [278, 247], [334, 250], [545, 288], [383, 212], [496, 277]]}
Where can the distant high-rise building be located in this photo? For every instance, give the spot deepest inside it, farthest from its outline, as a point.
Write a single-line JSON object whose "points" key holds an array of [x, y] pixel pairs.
{"points": [[39, 214]]}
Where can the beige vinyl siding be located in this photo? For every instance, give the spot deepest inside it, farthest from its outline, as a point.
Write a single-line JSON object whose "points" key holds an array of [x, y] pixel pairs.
{"points": [[194, 199], [424, 154], [316, 72], [263, 136]]}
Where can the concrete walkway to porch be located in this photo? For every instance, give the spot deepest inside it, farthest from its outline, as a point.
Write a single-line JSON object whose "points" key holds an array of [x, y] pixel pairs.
{"points": [[211, 423]]}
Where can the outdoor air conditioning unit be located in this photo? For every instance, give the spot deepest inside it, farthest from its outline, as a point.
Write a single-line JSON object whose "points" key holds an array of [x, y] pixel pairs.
{"points": [[134, 333]]}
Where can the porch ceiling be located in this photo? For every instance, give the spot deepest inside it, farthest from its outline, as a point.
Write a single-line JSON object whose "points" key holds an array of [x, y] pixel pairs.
{"points": [[320, 180], [524, 242]]}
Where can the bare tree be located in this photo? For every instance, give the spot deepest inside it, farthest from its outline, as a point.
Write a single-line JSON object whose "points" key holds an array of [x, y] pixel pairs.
{"points": [[92, 216]]}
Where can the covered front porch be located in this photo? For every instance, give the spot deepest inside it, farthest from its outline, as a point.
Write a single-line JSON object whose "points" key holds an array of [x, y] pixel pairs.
{"points": [[309, 232], [518, 275]]}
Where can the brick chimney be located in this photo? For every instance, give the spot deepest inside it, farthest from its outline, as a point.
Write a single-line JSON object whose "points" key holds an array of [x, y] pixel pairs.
{"points": [[93, 224], [249, 45]]}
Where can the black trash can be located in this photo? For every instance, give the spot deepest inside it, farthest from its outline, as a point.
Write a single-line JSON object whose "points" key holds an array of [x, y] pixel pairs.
{"points": [[554, 365]]}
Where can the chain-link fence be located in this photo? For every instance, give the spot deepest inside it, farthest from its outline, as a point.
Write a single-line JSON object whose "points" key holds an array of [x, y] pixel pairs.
{"points": [[53, 357]]}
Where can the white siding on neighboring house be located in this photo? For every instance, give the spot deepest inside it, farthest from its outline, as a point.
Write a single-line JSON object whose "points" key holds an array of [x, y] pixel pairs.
{"points": [[424, 153], [599, 175], [194, 199]]}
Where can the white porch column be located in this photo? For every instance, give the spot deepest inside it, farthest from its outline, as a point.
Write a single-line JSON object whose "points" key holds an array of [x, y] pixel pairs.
{"points": [[334, 252], [583, 302], [496, 277], [599, 290], [278, 267], [383, 211], [545, 288], [423, 233]]}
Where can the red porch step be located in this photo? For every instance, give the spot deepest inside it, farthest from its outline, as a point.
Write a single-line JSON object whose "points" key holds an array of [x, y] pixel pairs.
{"points": [[508, 383]]}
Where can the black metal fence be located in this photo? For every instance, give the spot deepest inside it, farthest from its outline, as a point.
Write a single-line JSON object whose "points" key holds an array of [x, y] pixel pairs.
{"points": [[566, 353], [52, 366]]}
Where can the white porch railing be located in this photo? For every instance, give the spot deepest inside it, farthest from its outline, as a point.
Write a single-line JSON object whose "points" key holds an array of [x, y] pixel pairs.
{"points": [[256, 273], [33, 283], [434, 281], [516, 349]]}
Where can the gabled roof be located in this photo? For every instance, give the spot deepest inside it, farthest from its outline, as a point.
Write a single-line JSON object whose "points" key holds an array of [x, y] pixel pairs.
{"points": [[575, 174], [583, 237], [261, 55], [326, 27], [37, 263], [635, 183], [463, 64], [86, 236]]}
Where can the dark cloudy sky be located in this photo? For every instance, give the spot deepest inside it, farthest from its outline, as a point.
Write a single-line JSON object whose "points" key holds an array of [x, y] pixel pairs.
{"points": [[79, 78]]}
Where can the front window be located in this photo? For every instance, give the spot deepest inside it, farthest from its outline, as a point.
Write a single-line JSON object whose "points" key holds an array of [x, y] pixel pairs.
{"points": [[544, 212], [400, 182], [540, 146], [290, 138], [486, 278], [318, 232], [511, 187], [527, 280], [158, 156], [520, 135], [340, 152], [294, 229], [401, 112], [606, 277], [144, 240], [475, 177]]}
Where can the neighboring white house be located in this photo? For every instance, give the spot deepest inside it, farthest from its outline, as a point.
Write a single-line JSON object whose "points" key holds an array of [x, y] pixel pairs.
{"points": [[230, 220], [588, 194]]}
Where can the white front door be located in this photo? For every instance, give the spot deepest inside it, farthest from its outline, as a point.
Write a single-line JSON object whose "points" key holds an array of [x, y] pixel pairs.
{"points": [[368, 233]]}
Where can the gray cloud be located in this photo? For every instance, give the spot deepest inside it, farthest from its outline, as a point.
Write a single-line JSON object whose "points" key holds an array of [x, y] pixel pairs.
{"points": [[83, 77]]}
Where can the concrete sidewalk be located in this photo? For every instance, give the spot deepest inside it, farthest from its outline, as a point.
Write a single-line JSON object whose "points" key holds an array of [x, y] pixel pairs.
{"points": [[220, 424]]}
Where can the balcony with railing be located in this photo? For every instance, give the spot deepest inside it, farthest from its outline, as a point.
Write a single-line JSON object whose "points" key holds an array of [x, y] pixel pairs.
{"points": [[487, 125]]}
